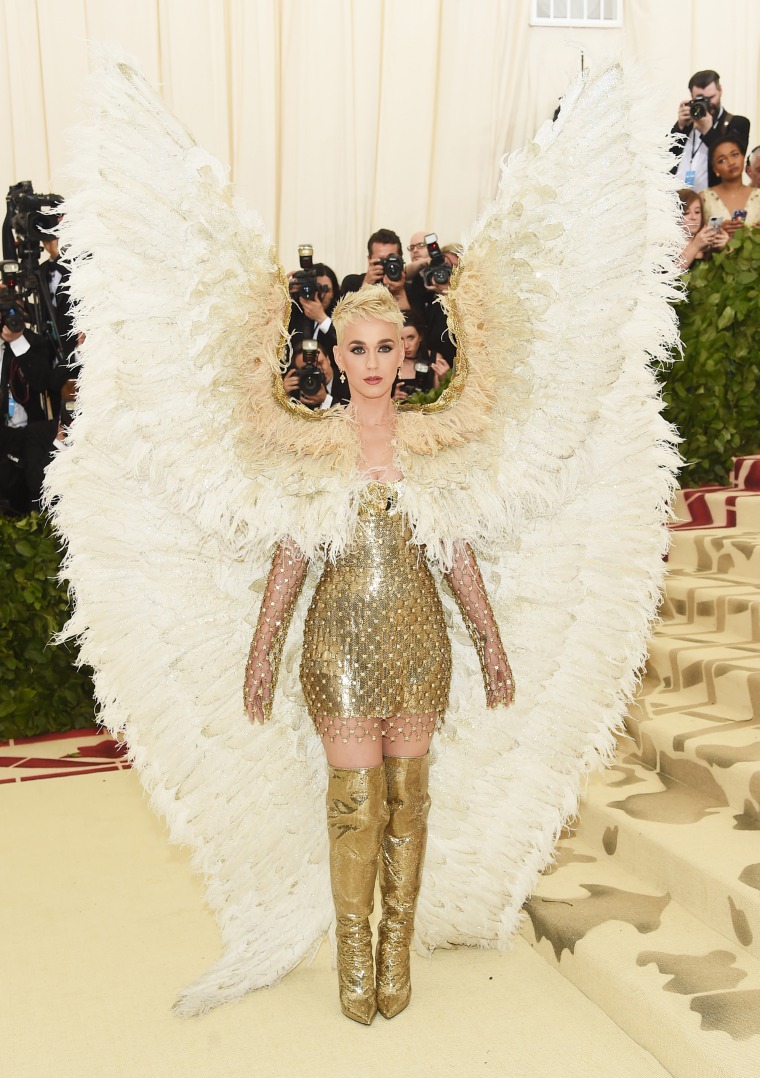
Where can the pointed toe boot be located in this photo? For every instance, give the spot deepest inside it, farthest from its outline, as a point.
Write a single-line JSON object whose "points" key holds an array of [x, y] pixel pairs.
{"points": [[357, 815], [402, 856]]}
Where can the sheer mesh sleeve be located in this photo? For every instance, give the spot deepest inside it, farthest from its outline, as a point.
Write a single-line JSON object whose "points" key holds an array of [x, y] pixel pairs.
{"points": [[283, 587], [468, 590]]}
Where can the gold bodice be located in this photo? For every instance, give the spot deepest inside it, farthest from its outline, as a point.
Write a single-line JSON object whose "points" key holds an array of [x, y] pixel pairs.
{"points": [[375, 646]]}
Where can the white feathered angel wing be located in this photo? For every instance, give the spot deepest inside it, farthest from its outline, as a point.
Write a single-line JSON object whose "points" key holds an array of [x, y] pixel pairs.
{"points": [[562, 485], [184, 309], [182, 471]]}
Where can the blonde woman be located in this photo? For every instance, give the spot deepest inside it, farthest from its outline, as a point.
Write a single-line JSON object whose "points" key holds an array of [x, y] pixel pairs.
{"points": [[375, 672], [545, 455]]}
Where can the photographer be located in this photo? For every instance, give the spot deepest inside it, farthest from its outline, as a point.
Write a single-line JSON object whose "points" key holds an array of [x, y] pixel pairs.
{"points": [[41, 289], [314, 292], [420, 371], [55, 275], [385, 265], [418, 253], [753, 166], [27, 422], [313, 379], [437, 278], [702, 122]]}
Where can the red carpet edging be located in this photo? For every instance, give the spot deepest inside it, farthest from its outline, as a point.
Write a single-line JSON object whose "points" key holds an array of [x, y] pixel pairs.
{"points": [[94, 752]]}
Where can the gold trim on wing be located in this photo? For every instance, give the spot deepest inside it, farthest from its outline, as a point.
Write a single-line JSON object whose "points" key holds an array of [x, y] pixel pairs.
{"points": [[449, 396], [454, 389], [278, 389], [293, 406]]}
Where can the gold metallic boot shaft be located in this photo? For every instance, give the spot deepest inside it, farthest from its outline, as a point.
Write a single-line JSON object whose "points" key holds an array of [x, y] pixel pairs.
{"points": [[357, 814], [403, 852]]}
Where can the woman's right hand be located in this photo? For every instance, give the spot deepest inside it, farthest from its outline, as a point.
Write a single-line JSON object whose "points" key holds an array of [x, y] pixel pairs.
{"points": [[257, 687], [441, 369], [732, 226]]}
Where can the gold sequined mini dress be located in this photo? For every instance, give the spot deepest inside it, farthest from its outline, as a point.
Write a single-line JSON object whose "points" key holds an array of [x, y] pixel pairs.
{"points": [[376, 655]]}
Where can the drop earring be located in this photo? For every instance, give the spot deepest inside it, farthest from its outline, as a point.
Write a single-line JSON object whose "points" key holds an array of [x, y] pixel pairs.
{"points": [[342, 376]]}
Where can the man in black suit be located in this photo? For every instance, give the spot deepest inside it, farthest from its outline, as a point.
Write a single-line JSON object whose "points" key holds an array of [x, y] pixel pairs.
{"points": [[381, 245], [27, 423], [55, 276], [753, 166], [311, 318], [697, 134]]}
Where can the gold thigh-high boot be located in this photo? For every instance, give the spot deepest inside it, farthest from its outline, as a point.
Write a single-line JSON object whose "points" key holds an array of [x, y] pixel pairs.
{"points": [[357, 814], [401, 860]]}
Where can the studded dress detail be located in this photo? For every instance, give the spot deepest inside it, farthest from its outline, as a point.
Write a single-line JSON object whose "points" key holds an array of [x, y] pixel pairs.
{"points": [[376, 655], [376, 658]]}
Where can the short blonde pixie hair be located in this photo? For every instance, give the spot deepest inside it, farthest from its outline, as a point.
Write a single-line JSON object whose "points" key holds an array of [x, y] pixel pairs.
{"points": [[372, 301]]}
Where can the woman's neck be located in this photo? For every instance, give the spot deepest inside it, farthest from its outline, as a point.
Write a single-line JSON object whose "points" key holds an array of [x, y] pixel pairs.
{"points": [[732, 187], [371, 412]]}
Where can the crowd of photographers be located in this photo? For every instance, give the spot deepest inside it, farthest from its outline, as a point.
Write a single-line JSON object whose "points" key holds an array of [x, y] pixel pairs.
{"points": [[38, 351], [38, 358], [415, 283]]}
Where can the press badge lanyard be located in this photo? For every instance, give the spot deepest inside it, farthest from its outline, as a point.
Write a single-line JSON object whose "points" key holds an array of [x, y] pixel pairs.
{"points": [[691, 172]]}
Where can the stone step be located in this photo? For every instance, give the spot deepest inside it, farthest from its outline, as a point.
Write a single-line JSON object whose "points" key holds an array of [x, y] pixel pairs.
{"points": [[681, 837], [710, 605], [745, 472], [716, 507], [671, 983], [721, 751], [682, 675], [728, 552]]}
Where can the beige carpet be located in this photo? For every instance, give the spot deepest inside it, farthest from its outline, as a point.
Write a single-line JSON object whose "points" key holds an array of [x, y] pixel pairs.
{"points": [[103, 923]]}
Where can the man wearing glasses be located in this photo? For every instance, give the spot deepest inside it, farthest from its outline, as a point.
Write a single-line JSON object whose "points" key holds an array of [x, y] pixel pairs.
{"points": [[418, 254]]}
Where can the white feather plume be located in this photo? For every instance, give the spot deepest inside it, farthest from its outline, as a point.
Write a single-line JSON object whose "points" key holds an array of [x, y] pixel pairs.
{"points": [[180, 474]]}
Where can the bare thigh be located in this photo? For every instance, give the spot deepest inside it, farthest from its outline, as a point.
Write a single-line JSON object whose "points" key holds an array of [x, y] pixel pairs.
{"points": [[400, 736]]}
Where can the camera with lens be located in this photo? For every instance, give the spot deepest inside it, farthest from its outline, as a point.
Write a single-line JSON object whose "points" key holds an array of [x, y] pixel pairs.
{"points": [[303, 283], [699, 107], [421, 370], [393, 267], [438, 271], [310, 377], [29, 220], [12, 315]]}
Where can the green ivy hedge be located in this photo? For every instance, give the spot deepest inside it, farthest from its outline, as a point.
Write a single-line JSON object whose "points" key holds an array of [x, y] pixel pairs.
{"points": [[41, 690], [712, 393]]}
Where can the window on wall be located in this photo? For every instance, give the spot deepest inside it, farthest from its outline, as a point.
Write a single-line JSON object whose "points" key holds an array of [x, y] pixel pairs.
{"points": [[576, 13]]}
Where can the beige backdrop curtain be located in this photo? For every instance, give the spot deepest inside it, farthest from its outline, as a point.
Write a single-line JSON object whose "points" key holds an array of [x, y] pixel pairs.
{"points": [[342, 116]]}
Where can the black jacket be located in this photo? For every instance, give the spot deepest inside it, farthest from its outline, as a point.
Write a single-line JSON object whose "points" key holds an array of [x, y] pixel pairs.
{"points": [[737, 126], [64, 322], [300, 326], [27, 377]]}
